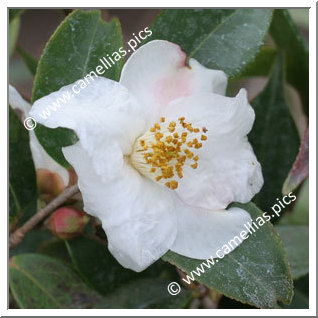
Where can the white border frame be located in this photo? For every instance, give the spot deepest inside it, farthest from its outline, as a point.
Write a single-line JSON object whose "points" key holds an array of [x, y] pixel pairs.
{"points": [[312, 182]]}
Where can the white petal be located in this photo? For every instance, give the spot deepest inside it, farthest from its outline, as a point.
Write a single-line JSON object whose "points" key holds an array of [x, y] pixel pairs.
{"points": [[40, 157], [157, 73], [17, 102], [219, 114], [43, 161], [137, 215], [103, 115], [228, 170], [201, 233]]}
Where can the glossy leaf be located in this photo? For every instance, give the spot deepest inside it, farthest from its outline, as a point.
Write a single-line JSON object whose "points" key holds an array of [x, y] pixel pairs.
{"points": [[289, 39], [274, 137], [301, 295], [55, 248], [226, 40], [30, 62], [31, 242], [296, 242], [262, 64], [72, 52], [147, 294], [100, 270], [300, 169], [22, 180], [38, 281], [256, 272]]}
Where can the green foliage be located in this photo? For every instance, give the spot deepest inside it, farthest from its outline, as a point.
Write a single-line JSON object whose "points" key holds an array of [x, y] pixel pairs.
{"points": [[301, 296], [289, 40], [14, 14], [30, 62], [296, 242], [262, 64], [300, 169], [38, 281], [101, 271], [274, 137], [55, 248], [22, 182], [73, 51], [31, 242], [147, 294], [81, 273], [300, 212], [225, 40], [14, 28], [256, 272]]}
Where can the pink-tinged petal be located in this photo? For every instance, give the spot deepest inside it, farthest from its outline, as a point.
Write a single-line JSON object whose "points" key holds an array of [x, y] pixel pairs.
{"points": [[202, 233], [157, 74], [137, 214], [227, 170]]}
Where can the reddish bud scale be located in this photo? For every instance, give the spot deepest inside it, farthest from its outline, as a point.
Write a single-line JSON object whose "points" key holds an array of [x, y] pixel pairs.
{"points": [[67, 222]]}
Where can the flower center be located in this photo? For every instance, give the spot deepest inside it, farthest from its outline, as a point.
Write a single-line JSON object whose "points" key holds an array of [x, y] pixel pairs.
{"points": [[163, 151]]}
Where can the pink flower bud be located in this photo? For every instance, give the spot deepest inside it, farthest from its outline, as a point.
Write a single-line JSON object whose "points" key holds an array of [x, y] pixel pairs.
{"points": [[67, 222]]}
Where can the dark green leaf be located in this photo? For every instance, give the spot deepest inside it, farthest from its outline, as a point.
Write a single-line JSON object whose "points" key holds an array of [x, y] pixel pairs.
{"points": [[301, 296], [300, 212], [28, 59], [147, 294], [14, 28], [256, 272], [226, 40], [289, 39], [38, 281], [101, 271], [72, 52], [300, 301], [14, 13], [262, 64], [296, 241], [22, 179], [274, 137], [31, 242], [55, 248]]}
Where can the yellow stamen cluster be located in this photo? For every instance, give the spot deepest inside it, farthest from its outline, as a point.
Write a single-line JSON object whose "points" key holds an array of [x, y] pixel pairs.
{"points": [[162, 152]]}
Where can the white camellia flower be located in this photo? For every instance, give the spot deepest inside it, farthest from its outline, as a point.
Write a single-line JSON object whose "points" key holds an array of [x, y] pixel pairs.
{"points": [[160, 156]]}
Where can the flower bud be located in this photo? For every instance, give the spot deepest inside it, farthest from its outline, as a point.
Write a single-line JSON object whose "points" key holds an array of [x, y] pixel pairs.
{"points": [[67, 222], [50, 184]]}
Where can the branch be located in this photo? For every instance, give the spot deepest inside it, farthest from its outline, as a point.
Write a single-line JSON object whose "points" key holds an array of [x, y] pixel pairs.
{"points": [[17, 236]]}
